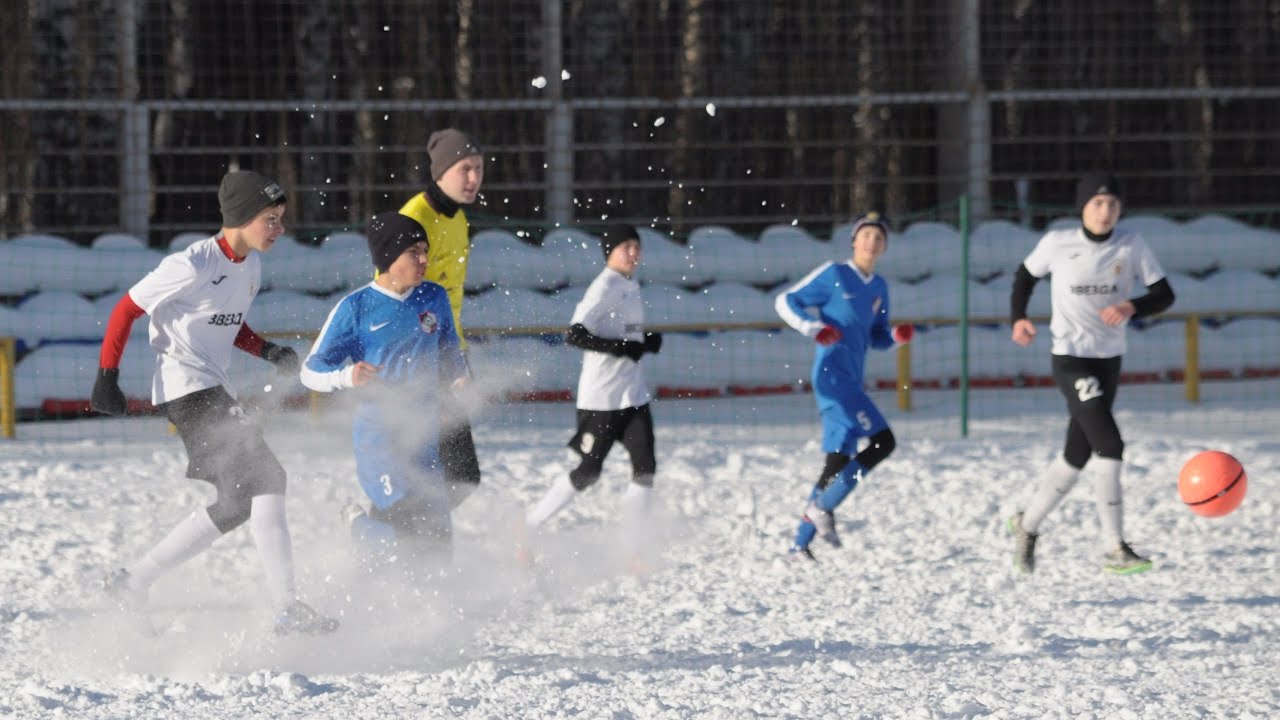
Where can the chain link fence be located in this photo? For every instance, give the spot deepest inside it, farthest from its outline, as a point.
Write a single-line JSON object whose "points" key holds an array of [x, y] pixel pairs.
{"points": [[122, 115]]}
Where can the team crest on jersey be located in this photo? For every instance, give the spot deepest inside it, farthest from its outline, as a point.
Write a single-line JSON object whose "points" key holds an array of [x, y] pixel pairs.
{"points": [[1118, 268], [428, 322]]}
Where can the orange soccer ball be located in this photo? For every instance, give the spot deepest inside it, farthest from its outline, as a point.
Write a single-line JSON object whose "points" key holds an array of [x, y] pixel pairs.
{"points": [[1212, 483]]}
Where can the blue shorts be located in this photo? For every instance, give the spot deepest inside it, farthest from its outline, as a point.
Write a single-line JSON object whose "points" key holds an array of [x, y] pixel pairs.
{"points": [[847, 419], [388, 474]]}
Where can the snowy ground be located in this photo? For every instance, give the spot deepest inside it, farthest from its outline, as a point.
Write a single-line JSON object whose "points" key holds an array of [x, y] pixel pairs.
{"points": [[919, 616]]}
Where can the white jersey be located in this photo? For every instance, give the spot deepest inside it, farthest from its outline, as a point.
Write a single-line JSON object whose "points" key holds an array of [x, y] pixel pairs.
{"points": [[197, 300], [1087, 277], [611, 309]]}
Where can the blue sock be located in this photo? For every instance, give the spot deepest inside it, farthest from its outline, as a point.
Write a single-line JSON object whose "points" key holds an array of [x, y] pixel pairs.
{"points": [[804, 534], [843, 484], [373, 538], [806, 531]]}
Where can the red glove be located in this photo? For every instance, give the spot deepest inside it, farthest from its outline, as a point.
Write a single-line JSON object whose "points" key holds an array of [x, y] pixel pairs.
{"points": [[828, 335], [902, 334]]}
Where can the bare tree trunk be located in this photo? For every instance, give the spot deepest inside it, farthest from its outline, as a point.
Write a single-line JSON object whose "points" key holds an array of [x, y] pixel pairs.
{"points": [[17, 151], [178, 82], [691, 70], [465, 65], [866, 119], [599, 26], [314, 42], [362, 175], [409, 130], [1177, 22]]}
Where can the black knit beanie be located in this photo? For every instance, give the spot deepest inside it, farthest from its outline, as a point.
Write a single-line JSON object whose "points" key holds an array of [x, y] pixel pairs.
{"points": [[390, 234], [243, 194], [615, 235], [1096, 183]]}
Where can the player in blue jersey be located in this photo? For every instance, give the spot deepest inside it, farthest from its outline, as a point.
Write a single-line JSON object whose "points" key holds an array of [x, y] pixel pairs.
{"points": [[845, 309], [394, 340]]}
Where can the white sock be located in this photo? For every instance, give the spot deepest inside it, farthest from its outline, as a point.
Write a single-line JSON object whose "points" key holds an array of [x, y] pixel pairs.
{"points": [[1106, 492], [270, 530], [1057, 481], [559, 495], [187, 539], [635, 514]]}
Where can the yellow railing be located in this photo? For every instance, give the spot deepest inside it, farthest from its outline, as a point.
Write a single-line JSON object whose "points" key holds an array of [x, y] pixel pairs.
{"points": [[903, 383], [8, 403]]}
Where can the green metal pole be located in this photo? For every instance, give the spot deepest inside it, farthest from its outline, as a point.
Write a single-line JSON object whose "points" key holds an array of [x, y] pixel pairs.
{"points": [[964, 316]]}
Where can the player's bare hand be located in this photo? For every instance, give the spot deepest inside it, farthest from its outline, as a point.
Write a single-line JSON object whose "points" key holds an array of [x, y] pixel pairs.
{"points": [[362, 373], [1117, 314], [1024, 331]]}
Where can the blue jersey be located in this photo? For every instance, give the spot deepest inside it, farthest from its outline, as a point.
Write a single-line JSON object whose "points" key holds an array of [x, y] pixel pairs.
{"points": [[855, 304], [412, 339], [858, 306]]}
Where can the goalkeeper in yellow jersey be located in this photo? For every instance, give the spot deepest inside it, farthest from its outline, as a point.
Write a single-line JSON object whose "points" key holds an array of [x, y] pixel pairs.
{"points": [[457, 172]]}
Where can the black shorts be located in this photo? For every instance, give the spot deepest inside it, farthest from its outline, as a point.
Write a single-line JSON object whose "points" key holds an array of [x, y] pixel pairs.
{"points": [[1087, 383], [224, 445], [599, 429]]}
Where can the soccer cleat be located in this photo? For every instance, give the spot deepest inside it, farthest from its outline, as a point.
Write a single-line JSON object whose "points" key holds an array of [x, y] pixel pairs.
{"points": [[523, 550], [119, 586], [299, 618], [350, 513], [130, 600], [825, 522], [1024, 553], [799, 554], [1124, 561]]}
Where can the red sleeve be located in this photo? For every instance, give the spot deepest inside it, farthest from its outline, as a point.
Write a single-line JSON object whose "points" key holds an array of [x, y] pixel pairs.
{"points": [[117, 334], [249, 341]]}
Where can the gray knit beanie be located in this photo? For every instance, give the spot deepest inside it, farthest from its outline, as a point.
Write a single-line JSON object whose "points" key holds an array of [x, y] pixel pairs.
{"points": [[447, 147], [871, 219], [243, 194]]}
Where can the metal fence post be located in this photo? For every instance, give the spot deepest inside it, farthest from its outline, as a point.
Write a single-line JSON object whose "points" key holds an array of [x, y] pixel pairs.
{"points": [[559, 131], [135, 175]]}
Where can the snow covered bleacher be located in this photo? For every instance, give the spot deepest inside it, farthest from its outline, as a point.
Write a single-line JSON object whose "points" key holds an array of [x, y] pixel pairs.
{"points": [[58, 296]]}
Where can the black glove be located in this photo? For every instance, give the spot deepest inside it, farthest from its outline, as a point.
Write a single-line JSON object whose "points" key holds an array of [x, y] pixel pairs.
{"points": [[633, 349], [652, 342], [283, 357], [107, 397]]}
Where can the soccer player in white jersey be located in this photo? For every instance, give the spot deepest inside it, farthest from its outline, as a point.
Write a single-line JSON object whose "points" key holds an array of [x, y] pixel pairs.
{"points": [[1096, 270], [198, 300], [613, 396], [394, 341], [844, 308]]}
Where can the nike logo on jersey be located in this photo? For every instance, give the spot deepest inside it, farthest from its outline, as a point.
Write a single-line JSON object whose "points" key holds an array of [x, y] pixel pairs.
{"points": [[847, 296], [220, 279], [378, 326], [1073, 256]]}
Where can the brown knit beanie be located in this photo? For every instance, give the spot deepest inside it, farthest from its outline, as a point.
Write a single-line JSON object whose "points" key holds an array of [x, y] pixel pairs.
{"points": [[447, 147]]}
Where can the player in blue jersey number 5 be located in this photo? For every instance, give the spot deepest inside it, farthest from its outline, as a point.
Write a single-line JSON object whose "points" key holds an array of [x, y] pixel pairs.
{"points": [[845, 309]]}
